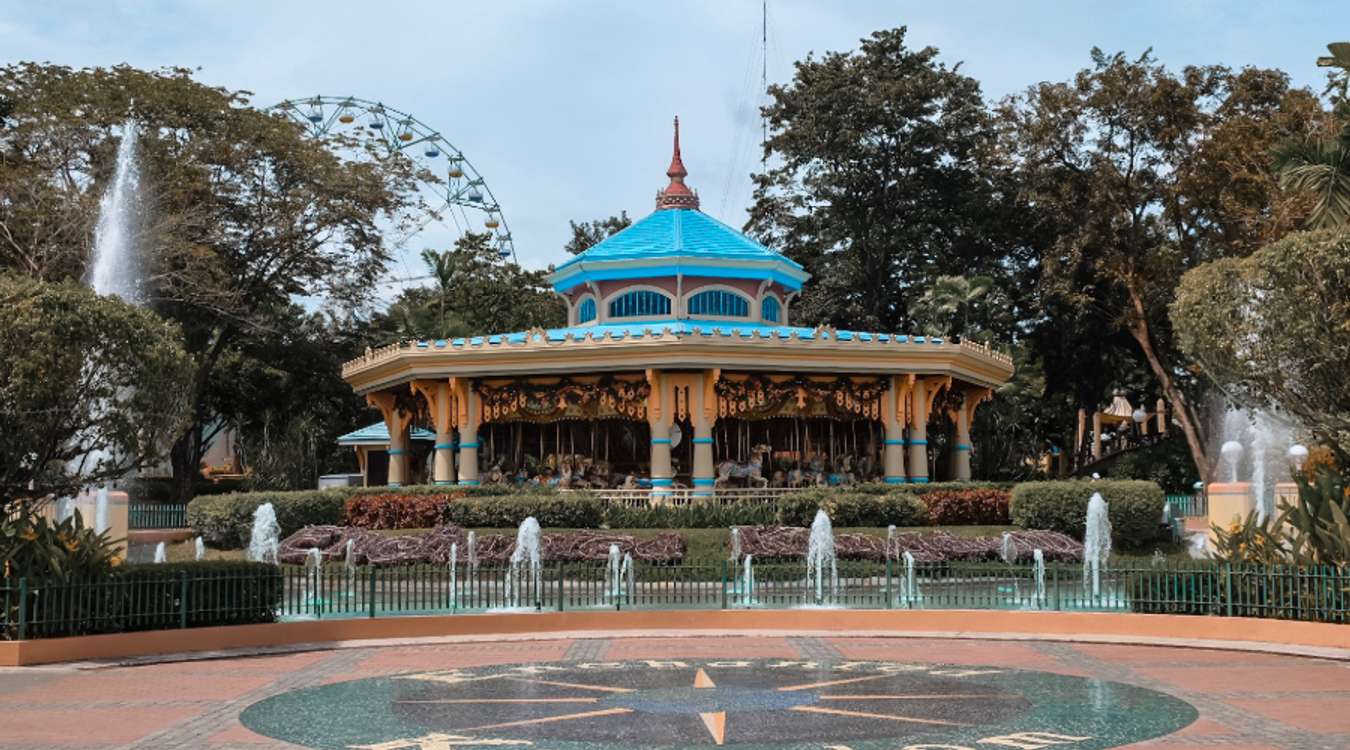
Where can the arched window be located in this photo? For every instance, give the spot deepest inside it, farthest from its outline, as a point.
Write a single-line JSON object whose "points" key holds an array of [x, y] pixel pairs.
{"points": [[586, 311], [770, 310], [719, 303], [639, 304]]}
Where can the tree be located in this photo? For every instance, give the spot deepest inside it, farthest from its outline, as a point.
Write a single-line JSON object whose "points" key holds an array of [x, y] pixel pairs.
{"points": [[957, 306], [589, 233], [246, 212], [1319, 167], [1144, 174], [90, 389], [881, 184], [442, 267], [1273, 330]]}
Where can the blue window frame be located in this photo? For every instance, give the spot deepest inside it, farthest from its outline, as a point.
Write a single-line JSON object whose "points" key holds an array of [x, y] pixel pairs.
{"points": [[586, 311], [719, 303], [639, 304], [770, 310]]}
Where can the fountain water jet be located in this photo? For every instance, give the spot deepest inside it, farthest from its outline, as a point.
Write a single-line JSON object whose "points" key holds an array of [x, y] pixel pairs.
{"points": [[454, 563], [1096, 542], [1038, 569], [265, 541], [525, 566], [161, 553], [822, 561], [198, 549]]}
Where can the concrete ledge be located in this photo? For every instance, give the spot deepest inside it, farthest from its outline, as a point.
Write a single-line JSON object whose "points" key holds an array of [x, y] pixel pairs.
{"points": [[155, 536], [1275, 636]]}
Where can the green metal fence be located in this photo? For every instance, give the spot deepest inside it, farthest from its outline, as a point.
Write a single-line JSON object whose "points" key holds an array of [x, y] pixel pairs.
{"points": [[1187, 506], [44, 609], [157, 516]]}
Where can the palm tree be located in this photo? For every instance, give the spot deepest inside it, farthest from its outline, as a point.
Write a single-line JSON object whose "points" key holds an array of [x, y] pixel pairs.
{"points": [[442, 267], [946, 307], [1321, 169]]}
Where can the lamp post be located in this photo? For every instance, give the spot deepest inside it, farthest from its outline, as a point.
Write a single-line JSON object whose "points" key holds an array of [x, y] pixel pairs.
{"points": [[1298, 454]]}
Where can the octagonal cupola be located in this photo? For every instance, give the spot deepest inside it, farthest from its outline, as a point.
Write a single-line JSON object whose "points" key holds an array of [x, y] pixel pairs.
{"points": [[678, 263]]}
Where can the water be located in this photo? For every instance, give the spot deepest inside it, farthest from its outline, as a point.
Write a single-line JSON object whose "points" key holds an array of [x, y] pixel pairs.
{"points": [[748, 582], [314, 577], [161, 553], [265, 540], [1038, 569], [613, 573], [525, 567], [735, 544], [114, 268], [822, 570], [65, 508], [349, 567], [454, 563], [101, 510], [1008, 549], [892, 543], [910, 596], [1255, 449], [198, 549], [1096, 542], [471, 557]]}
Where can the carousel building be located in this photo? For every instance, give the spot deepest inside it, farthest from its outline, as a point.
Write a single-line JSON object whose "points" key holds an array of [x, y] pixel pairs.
{"points": [[679, 371]]}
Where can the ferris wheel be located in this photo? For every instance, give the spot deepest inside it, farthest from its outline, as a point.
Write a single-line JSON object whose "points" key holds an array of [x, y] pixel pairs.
{"points": [[456, 198]]}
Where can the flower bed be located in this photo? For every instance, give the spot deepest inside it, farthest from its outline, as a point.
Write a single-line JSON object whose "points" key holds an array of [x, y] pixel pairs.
{"points": [[790, 542]]}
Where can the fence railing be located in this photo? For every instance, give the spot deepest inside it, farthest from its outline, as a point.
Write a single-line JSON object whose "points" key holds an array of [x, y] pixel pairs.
{"points": [[156, 516], [1188, 506], [38, 609]]}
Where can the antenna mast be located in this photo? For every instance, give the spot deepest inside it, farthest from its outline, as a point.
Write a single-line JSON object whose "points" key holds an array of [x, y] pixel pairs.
{"points": [[764, 80]]}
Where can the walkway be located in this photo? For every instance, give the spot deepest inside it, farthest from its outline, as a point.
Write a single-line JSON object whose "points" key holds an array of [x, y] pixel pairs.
{"points": [[1245, 701]]}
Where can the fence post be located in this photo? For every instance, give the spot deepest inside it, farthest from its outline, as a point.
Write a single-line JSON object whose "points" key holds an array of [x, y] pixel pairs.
{"points": [[1228, 589], [1054, 580], [724, 584], [370, 571], [23, 607], [182, 599], [562, 570], [890, 598]]}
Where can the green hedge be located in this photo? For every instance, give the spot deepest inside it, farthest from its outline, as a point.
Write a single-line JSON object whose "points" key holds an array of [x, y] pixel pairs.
{"points": [[697, 515], [225, 521], [149, 597], [572, 511], [848, 507], [1135, 508]]}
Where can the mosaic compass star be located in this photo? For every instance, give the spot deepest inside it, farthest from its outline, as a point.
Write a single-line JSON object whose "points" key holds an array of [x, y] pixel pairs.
{"points": [[778, 704]]}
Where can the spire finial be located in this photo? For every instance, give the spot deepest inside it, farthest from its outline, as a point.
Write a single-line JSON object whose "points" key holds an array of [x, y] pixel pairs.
{"points": [[676, 194]]}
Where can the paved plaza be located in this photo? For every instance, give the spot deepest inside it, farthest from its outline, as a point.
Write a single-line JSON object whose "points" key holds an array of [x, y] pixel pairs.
{"points": [[751, 692]]}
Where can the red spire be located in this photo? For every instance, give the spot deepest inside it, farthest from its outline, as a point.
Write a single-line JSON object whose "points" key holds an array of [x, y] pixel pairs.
{"points": [[676, 194]]}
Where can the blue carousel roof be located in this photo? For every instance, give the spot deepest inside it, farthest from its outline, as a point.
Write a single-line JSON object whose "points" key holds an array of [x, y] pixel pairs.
{"points": [[378, 434], [683, 328]]}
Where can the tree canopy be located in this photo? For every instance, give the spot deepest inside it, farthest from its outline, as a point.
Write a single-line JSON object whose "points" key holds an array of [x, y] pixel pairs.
{"points": [[90, 389]]}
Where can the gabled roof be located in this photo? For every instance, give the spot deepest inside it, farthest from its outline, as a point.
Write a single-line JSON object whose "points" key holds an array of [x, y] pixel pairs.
{"points": [[678, 237], [378, 434]]}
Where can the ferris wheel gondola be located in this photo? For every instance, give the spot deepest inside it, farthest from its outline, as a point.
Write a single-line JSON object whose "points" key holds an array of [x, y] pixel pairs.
{"points": [[455, 194]]}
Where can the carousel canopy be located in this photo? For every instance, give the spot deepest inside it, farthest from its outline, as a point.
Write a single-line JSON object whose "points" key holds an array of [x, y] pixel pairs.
{"points": [[378, 434]]}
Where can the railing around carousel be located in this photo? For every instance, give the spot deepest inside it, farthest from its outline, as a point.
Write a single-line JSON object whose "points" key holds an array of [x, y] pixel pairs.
{"points": [[44, 609], [642, 498]]}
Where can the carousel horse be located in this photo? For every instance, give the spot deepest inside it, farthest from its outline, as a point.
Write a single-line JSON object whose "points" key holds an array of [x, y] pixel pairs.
{"points": [[778, 479], [750, 472], [865, 468], [843, 472]]}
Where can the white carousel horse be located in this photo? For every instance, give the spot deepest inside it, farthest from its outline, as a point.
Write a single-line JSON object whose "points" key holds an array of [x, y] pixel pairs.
{"points": [[751, 472]]}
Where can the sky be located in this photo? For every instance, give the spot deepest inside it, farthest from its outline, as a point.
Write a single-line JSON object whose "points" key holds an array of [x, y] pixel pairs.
{"points": [[565, 108]]}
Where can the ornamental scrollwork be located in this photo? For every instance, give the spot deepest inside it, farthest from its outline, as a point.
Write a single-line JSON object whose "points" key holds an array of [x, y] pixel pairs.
{"points": [[564, 398], [760, 397]]}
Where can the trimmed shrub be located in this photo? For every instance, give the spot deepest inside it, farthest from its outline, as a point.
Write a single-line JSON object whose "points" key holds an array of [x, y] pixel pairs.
{"points": [[697, 515], [572, 511], [847, 508], [1135, 508], [150, 597], [397, 511], [967, 507]]}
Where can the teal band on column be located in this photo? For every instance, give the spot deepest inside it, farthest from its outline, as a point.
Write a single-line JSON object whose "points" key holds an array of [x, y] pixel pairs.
{"points": [[444, 446], [703, 441], [699, 482], [473, 444], [395, 484], [662, 482], [660, 441], [444, 481], [962, 447], [469, 482], [397, 452], [918, 442], [895, 480], [919, 480], [890, 441]]}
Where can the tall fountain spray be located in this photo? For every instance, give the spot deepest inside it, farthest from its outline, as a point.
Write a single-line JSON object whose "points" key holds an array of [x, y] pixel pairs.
{"points": [[314, 577], [471, 561], [1007, 550], [1255, 445], [349, 567], [198, 549], [1038, 570], [1096, 542], [613, 573], [114, 268], [525, 567], [822, 572], [454, 563], [265, 541], [909, 585], [161, 553], [748, 582]]}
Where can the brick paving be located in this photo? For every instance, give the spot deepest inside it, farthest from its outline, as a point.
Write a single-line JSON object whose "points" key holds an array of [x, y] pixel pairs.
{"points": [[1246, 700]]}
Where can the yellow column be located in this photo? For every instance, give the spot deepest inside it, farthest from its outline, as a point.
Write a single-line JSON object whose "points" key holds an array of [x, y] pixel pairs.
{"points": [[441, 402], [704, 417], [1096, 435], [396, 420], [961, 454], [894, 413], [468, 416], [918, 433], [1162, 417], [660, 414]]}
